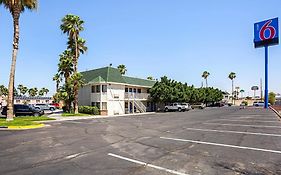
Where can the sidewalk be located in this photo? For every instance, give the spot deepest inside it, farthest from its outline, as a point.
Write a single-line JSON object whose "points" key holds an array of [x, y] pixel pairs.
{"points": [[58, 117]]}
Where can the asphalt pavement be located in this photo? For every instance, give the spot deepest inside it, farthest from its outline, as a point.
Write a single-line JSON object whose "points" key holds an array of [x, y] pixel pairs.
{"points": [[212, 141]]}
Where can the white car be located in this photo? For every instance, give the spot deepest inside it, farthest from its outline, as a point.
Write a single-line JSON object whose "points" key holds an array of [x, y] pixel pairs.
{"points": [[187, 106], [45, 107], [259, 103], [174, 107]]}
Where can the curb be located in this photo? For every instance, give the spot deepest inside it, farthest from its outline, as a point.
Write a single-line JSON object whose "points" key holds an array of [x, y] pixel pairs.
{"points": [[276, 112], [25, 127]]}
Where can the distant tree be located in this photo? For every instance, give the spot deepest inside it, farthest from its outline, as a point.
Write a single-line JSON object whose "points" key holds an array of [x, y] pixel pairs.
{"points": [[33, 92], [20, 87], [205, 76], [232, 76], [242, 92], [122, 69], [272, 98], [41, 92], [3, 90], [150, 78], [16, 7]]}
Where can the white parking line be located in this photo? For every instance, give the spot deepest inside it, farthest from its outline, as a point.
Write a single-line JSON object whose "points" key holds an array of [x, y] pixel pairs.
{"points": [[270, 121], [147, 164], [234, 132], [223, 145], [258, 126]]}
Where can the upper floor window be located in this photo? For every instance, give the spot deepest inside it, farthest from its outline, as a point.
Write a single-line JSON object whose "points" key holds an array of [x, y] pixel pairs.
{"points": [[130, 90], [135, 90], [126, 89], [139, 90], [93, 89], [98, 89], [37, 101], [104, 88]]}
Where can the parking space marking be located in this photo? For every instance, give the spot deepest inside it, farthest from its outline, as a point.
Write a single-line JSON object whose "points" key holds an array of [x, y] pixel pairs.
{"points": [[222, 145], [234, 132], [257, 126], [146, 164], [269, 121]]}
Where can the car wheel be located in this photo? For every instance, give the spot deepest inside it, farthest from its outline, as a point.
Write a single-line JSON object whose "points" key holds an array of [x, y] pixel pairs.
{"points": [[179, 109], [52, 109], [36, 114], [166, 110]]}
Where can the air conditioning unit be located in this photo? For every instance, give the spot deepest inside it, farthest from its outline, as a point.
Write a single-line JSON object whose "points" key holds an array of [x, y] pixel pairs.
{"points": [[116, 96]]}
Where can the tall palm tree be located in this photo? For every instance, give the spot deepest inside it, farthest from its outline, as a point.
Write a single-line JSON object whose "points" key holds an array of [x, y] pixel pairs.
{"points": [[32, 92], [122, 68], [41, 92], [16, 7], [72, 25], [3, 90], [205, 76], [232, 76], [24, 90]]}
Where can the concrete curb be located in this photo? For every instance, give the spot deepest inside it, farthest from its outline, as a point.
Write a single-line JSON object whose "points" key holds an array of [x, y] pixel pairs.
{"points": [[59, 119], [276, 112], [25, 127]]}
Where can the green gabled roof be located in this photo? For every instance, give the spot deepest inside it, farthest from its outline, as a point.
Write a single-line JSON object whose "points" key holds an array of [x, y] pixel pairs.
{"points": [[105, 74], [110, 74], [138, 81]]}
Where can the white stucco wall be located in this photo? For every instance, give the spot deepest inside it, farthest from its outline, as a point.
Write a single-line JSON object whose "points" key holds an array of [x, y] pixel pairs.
{"points": [[115, 99]]}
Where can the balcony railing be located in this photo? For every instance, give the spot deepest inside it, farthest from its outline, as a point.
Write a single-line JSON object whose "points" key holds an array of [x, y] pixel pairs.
{"points": [[132, 95]]}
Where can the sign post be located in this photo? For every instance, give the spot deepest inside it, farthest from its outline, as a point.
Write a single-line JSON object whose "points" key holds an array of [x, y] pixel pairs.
{"points": [[266, 33]]}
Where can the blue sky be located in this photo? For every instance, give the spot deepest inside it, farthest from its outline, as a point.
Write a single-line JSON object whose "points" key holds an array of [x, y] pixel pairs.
{"points": [[176, 38]]}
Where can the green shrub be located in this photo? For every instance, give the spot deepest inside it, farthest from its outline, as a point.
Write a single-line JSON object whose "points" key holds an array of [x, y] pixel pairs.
{"points": [[93, 110]]}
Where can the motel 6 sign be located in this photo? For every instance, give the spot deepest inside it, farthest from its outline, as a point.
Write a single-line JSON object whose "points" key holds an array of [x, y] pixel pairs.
{"points": [[266, 33]]}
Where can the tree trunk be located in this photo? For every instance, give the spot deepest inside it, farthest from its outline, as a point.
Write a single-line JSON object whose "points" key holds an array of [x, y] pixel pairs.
{"points": [[75, 105], [10, 101], [206, 82]]}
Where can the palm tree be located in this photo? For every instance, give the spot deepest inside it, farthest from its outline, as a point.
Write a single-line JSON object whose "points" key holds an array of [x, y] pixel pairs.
{"points": [[20, 88], [122, 69], [46, 91], [16, 7], [242, 92], [32, 92], [72, 25], [149, 78], [41, 92], [205, 76], [57, 79], [3, 90], [232, 76]]}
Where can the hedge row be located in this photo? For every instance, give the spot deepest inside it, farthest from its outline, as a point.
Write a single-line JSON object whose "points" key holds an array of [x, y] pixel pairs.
{"points": [[93, 110]]}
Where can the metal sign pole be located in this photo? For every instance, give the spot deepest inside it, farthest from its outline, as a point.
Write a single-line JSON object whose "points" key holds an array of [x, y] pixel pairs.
{"points": [[266, 78]]}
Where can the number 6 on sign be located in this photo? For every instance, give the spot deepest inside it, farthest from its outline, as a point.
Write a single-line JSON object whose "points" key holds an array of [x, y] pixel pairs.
{"points": [[266, 35]]}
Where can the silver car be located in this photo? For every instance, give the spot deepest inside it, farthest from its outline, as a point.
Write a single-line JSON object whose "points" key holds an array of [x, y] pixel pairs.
{"points": [[187, 106], [45, 107]]}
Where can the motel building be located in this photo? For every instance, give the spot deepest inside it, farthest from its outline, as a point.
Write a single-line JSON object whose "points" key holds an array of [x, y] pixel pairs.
{"points": [[115, 94]]}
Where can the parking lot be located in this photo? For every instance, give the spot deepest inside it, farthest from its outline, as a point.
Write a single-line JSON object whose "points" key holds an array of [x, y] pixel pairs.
{"points": [[224, 140]]}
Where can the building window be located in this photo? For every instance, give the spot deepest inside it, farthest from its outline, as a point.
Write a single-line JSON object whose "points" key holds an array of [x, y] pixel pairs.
{"points": [[126, 89], [37, 101], [98, 89], [104, 88], [148, 91], [135, 90], [17, 101], [93, 89], [104, 106], [130, 90], [139, 90], [28, 101], [47, 101], [96, 104]]}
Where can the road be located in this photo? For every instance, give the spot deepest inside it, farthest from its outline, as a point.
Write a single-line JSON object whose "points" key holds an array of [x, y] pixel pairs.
{"points": [[212, 141]]}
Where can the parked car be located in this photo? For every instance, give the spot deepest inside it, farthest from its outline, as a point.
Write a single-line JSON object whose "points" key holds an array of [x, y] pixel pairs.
{"points": [[217, 104], [259, 103], [174, 107], [186, 106], [198, 105], [57, 105], [24, 110], [45, 107]]}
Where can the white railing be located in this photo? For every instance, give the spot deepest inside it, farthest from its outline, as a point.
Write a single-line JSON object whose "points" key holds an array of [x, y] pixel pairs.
{"points": [[140, 106], [131, 95]]}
